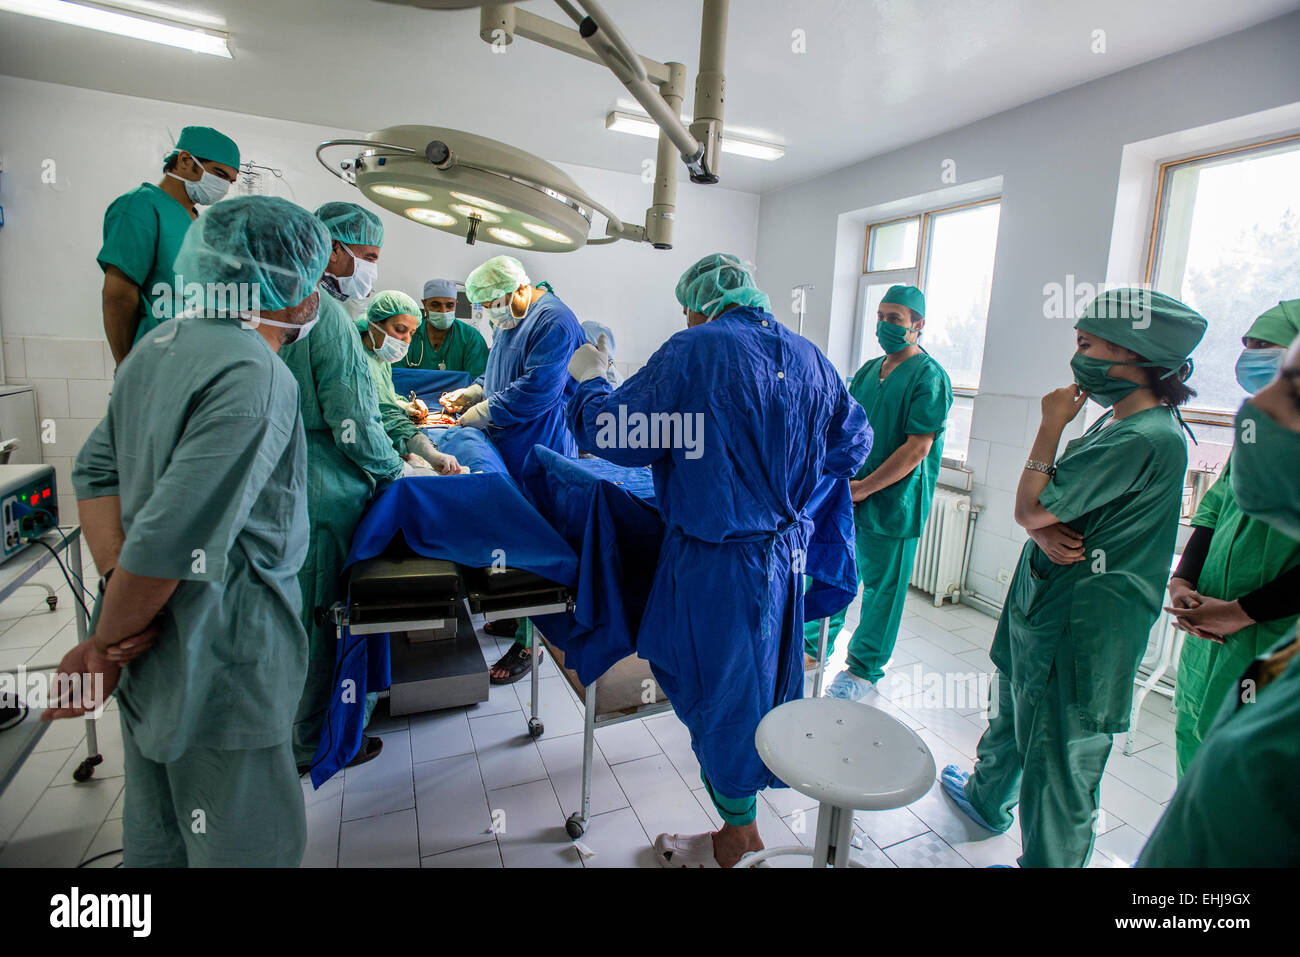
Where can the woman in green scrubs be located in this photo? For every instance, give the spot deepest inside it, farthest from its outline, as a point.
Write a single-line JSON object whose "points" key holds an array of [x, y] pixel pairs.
{"points": [[1236, 805], [1103, 519], [1237, 589], [444, 342]]}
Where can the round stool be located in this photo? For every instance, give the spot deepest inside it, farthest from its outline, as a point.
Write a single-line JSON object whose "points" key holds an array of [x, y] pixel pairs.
{"points": [[849, 756]]}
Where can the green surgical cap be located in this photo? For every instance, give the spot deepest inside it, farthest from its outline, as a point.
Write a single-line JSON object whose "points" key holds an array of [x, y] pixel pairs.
{"points": [[255, 242], [392, 303], [495, 278], [718, 282], [908, 296], [205, 143], [351, 225], [1157, 327], [1279, 325]]}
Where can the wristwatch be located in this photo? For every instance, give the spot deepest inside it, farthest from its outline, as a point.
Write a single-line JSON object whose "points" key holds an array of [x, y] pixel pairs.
{"points": [[1047, 468]]}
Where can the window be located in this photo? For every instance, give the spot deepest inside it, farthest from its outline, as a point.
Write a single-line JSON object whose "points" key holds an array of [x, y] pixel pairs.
{"points": [[1226, 241], [948, 254]]}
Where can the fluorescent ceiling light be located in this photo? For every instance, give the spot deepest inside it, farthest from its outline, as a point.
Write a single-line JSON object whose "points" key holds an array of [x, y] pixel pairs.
{"points": [[621, 122], [124, 25]]}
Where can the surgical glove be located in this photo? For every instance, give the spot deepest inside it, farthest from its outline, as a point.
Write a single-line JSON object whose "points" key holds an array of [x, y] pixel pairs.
{"points": [[476, 417], [446, 464], [420, 447], [590, 362], [457, 400], [411, 470]]}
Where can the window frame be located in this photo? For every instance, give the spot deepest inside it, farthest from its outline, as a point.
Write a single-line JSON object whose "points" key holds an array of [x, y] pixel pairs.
{"points": [[1155, 238]]}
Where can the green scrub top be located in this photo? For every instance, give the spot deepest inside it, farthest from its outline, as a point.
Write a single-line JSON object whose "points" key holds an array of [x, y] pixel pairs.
{"points": [[211, 469], [1244, 555], [143, 231], [464, 350], [1120, 485], [914, 399], [396, 422], [1236, 805]]}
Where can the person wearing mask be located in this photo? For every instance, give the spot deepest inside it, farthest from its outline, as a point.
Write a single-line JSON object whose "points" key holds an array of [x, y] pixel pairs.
{"points": [[1236, 591], [391, 319], [722, 628], [444, 342], [1235, 805], [349, 455], [520, 399], [906, 395], [191, 498], [1102, 521], [143, 230]]}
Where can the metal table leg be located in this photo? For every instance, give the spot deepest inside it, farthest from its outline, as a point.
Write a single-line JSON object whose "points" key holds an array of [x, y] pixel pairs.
{"points": [[576, 826], [535, 726], [86, 768], [822, 638]]}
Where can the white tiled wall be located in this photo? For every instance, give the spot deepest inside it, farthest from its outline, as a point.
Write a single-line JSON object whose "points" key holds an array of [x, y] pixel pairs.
{"points": [[71, 379]]}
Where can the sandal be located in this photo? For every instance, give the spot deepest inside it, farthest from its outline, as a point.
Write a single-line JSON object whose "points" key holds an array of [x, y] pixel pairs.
{"points": [[517, 662], [369, 750], [693, 850]]}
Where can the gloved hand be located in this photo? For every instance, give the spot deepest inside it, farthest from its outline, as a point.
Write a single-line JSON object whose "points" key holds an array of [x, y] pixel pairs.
{"points": [[476, 417], [458, 400], [590, 362], [445, 464]]}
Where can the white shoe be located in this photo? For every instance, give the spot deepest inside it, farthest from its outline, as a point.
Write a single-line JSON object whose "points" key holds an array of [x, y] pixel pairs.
{"points": [[848, 686]]}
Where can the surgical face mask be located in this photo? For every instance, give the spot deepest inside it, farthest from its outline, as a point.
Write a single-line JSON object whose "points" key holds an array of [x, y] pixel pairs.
{"points": [[1266, 470], [499, 314], [892, 338], [1257, 367], [441, 320], [392, 349], [252, 321], [1091, 375], [205, 191], [362, 280]]}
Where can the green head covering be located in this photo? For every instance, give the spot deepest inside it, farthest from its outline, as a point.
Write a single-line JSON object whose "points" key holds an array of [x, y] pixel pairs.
{"points": [[392, 303], [351, 225], [718, 282], [205, 143], [1279, 325], [908, 296], [1157, 327], [497, 277]]}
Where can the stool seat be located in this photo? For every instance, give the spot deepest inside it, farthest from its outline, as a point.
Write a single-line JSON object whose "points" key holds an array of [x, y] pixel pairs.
{"points": [[845, 754]]}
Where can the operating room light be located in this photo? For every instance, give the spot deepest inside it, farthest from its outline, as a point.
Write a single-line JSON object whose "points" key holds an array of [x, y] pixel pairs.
{"points": [[554, 235], [474, 212], [430, 217], [479, 202], [401, 192], [510, 236], [621, 122], [124, 25]]}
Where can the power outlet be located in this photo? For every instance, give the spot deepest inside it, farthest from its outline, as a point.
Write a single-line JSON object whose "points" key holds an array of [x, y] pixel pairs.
{"points": [[1004, 576]]}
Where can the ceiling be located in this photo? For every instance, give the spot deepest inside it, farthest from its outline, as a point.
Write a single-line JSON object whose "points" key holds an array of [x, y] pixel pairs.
{"points": [[877, 74]]}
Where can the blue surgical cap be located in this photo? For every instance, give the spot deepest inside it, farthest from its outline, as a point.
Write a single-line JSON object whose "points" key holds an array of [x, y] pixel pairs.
{"points": [[595, 330], [716, 283], [439, 289], [260, 243], [351, 224]]}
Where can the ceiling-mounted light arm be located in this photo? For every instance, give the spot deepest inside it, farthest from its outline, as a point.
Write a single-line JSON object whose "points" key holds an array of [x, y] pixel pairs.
{"points": [[346, 172]]}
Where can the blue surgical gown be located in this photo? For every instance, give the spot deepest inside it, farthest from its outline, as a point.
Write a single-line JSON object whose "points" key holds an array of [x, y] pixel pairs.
{"points": [[723, 626], [528, 385]]}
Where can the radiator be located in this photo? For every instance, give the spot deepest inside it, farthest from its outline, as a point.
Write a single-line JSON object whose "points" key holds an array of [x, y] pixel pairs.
{"points": [[941, 552]]}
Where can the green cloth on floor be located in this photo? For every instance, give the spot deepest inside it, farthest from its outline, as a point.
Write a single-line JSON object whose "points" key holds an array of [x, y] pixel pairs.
{"points": [[884, 569], [213, 808], [1037, 754], [734, 811], [1244, 555]]}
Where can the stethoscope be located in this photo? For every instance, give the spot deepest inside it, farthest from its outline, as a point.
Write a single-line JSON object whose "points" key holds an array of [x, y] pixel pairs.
{"points": [[442, 366]]}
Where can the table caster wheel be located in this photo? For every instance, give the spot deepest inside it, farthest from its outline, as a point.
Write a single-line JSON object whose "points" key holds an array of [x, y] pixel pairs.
{"points": [[52, 601], [575, 826], [535, 727], [86, 769]]}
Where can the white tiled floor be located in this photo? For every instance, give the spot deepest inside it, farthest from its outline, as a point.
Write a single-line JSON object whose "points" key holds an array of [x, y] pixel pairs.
{"points": [[469, 788]]}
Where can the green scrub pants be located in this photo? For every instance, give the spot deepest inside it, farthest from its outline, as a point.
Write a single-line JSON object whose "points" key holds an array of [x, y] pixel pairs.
{"points": [[1040, 756], [884, 568], [253, 814], [734, 811]]}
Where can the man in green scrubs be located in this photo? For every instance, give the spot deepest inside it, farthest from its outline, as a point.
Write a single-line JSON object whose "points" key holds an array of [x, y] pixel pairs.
{"points": [[191, 494], [1236, 806], [1103, 520], [444, 342], [143, 230], [390, 321], [906, 395], [349, 455], [1237, 588]]}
